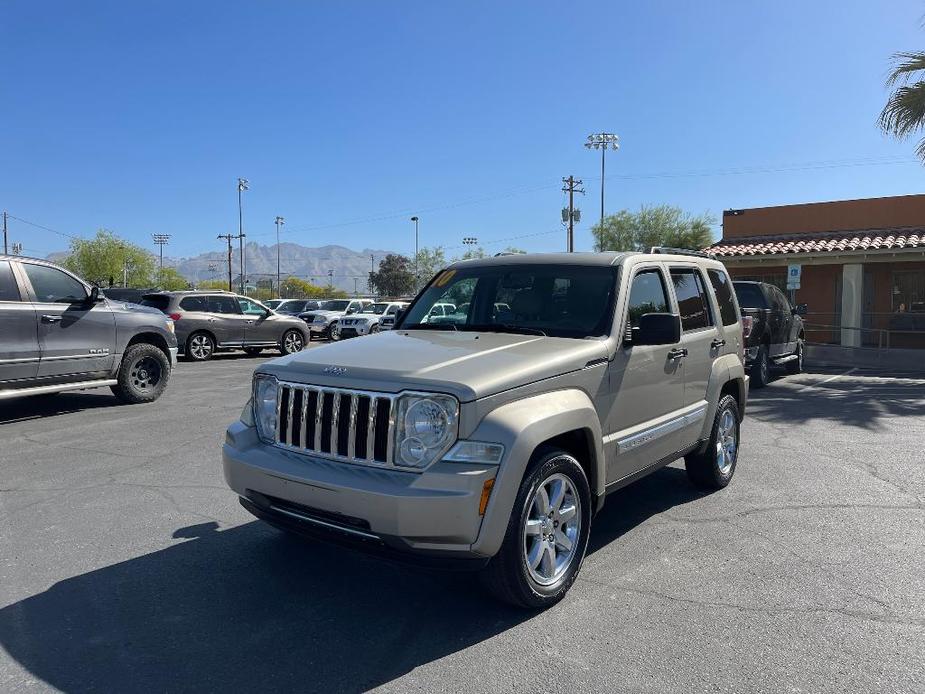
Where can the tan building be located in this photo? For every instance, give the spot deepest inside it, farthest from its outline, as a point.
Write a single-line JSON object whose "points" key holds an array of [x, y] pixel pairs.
{"points": [[862, 265]]}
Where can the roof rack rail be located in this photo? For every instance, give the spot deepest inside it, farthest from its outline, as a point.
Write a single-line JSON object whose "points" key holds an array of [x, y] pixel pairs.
{"points": [[680, 251]]}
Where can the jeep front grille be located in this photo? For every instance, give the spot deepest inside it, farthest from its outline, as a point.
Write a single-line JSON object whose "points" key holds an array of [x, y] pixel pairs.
{"points": [[351, 425]]}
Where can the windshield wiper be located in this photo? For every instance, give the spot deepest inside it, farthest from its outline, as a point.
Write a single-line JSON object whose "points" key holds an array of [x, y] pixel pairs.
{"points": [[504, 328], [429, 326]]}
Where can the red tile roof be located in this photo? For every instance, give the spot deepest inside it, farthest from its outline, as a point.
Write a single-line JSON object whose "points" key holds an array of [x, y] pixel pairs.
{"points": [[828, 242]]}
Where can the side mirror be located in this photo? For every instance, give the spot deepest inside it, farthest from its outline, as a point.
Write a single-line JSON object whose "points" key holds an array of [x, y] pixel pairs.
{"points": [[800, 310], [351, 311], [95, 295], [657, 329]]}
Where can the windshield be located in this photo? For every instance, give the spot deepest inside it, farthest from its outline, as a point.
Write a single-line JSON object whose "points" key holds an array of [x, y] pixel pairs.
{"points": [[273, 303], [749, 295], [335, 305], [556, 300], [377, 308], [288, 306]]}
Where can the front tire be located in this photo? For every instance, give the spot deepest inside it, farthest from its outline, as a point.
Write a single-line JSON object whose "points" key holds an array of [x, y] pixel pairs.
{"points": [[200, 347], [334, 333], [761, 370], [292, 341], [795, 366], [713, 467], [547, 534], [143, 374]]}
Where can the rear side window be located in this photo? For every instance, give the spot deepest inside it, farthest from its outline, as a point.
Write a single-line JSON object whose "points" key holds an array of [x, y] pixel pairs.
{"points": [[53, 286], [222, 304], [8, 289], [157, 301], [749, 295], [194, 303], [692, 299], [647, 295], [723, 289]]}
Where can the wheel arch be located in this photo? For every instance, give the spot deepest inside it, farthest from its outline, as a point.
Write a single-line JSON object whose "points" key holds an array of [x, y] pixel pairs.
{"points": [[150, 338], [566, 419]]}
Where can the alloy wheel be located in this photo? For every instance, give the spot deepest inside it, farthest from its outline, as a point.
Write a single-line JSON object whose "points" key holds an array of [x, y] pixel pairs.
{"points": [[552, 529], [726, 442], [200, 346], [293, 342], [145, 373]]}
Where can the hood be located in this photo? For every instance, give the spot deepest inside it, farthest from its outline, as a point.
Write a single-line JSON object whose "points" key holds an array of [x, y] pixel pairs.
{"points": [[132, 308], [468, 365], [320, 312]]}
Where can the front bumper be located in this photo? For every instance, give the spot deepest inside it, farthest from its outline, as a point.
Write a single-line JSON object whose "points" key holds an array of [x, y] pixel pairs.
{"points": [[432, 514]]}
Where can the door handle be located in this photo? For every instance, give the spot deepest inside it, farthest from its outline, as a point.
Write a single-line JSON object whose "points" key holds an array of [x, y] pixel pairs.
{"points": [[249, 322], [677, 353], [51, 319], [716, 344]]}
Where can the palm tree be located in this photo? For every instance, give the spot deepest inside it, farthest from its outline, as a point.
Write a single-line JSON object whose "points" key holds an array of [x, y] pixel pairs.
{"points": [[904, 112]]}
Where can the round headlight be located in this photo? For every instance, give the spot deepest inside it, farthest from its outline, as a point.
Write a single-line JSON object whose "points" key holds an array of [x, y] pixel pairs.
{"points": [[427, 422]]}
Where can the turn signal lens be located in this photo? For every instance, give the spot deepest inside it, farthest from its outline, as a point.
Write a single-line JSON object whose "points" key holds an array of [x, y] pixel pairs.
{"points": [[486, 493], [747, 324]]}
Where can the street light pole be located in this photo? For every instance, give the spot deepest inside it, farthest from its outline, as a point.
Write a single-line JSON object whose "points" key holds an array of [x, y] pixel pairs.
{"points": [[161, 240], [242, 186], [602, 141], [416, 275], [279, 222]]}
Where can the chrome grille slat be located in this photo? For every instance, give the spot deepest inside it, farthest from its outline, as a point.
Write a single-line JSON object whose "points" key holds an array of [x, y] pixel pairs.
{"points": [[295, 435], [352, 431]]}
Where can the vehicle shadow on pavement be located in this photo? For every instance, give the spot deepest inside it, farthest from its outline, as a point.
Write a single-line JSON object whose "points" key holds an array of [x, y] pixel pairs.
{"points": [[863, 404], [250, 609], [38, 406]]}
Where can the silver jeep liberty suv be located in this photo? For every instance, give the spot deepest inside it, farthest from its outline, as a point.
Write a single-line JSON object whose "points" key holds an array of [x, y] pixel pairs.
{"points": [[490, 438]]}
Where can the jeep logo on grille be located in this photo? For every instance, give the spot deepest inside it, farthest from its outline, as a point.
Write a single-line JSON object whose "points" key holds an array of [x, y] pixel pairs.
{"points": [[335, 370]]}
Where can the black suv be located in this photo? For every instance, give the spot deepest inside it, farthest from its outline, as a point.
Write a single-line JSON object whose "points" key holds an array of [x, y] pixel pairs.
{"points": [[208, 322]]}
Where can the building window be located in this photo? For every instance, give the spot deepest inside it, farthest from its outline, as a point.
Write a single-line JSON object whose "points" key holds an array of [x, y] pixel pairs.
{"points": [[909, 291]]}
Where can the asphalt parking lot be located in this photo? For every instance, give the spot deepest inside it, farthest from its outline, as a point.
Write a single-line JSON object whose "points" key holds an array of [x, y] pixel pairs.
{"points": [[127, 565]]}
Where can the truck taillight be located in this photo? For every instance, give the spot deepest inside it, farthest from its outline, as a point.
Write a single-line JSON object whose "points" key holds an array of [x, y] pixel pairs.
{"points": [[174, 316], [747, 324]]}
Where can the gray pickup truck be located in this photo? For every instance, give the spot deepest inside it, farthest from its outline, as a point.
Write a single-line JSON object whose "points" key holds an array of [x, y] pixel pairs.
{"points": [[58, 333], [490, 441]]}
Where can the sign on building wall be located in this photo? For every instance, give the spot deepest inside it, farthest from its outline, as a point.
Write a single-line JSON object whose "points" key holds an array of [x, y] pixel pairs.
{"points": [[794, 272]]}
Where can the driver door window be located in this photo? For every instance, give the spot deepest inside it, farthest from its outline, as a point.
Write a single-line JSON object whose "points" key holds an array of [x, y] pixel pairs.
{"points": [[52, 286]]}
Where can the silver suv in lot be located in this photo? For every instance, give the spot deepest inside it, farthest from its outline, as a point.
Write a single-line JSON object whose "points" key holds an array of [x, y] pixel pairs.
{"points": [[209, 321], [58, 333], [490, 441]]}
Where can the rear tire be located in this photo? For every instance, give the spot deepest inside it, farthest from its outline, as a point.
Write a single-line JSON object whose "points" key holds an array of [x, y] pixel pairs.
{"points": [[713, 468], [291, 342], [547, 534], [795, 366], [761, 370], [143, 374], [200, 346]]}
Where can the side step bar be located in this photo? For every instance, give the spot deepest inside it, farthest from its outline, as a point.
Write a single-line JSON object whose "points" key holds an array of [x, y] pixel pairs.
{"points": [[784, 360], [58, 388]]}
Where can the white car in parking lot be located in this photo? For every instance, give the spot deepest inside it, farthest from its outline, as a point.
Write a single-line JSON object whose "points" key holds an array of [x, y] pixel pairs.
{"points": [[371, 320]]}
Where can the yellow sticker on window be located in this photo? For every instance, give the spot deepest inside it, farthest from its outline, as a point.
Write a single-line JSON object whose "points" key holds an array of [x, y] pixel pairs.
{"points": [[444, 278]]}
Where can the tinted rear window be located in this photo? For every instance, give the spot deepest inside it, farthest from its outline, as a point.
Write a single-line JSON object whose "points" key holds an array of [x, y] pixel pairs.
{"points": [[156, 301], [9, 291], [727, 307], [749, 295], [194, 303]]}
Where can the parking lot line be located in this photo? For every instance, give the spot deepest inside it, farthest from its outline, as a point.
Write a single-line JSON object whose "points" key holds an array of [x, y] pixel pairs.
{"points": [[827, 380]]}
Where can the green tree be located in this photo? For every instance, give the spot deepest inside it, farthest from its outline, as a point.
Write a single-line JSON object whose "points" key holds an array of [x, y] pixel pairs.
{"points": [[656, 225], [395, 276], [482, 253], [904, 113], [170, 280], [103, 259], [429, 261], [212, 284], [296, 288]]}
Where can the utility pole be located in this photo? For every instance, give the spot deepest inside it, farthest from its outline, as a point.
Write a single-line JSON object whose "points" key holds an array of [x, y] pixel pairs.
{"points": [[5, 250], [279, 222], [161, 240], [602, 141], [416, 276], [228, 238], [242, 186], [356, 292], [571, 215]]}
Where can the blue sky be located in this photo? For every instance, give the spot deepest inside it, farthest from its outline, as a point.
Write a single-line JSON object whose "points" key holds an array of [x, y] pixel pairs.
{"points": [[348, 117]]}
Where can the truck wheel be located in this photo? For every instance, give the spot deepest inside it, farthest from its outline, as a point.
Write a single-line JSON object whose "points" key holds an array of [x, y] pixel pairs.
{"points": [[713, 467], [200, 347], [143, 374], [291, 342], [761, 370], [547, 534], [795, 366]]}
